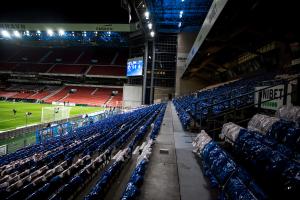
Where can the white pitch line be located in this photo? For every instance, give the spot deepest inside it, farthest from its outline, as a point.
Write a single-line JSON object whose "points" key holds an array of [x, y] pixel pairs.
{"points": [[9, 120]]}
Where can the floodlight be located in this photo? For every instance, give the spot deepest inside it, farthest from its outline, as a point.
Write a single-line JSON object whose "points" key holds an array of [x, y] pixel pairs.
{"points": [[5, 33], [50, 32], [17, 34], [147, 14], [61, 32], [180, 14], [152, 33]]}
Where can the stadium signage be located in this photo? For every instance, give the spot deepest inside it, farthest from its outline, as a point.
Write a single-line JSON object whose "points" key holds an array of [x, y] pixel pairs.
{"points": [[66, 27], [273, 96], [7, 26], [212, 15]]}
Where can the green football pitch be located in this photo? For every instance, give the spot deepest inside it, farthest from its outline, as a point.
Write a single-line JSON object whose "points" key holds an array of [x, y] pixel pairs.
{"points": [[8, 121]]}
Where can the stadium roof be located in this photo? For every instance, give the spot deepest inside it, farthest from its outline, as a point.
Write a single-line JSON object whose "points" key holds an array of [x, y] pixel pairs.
{"points": [[64, 12], [178, 15], [243, 28]]}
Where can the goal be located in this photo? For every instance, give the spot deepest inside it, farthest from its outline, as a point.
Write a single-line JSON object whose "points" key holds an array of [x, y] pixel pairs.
{"points": [[50, 114]]}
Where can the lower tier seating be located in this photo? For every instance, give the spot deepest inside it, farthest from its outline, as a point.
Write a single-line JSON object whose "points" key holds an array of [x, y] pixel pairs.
{"points": [[61, 166]]}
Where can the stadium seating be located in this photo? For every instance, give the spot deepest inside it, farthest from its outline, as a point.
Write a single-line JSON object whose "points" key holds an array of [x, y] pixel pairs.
{"points": [[104, 180], [31, 67], [65, 163], [7, 94], [233, 181], [68, 69], [5, 66], [63, 55], [97, 56], [271, 162], [136, 179], [84, 95], [107, 70], [29, 55]]}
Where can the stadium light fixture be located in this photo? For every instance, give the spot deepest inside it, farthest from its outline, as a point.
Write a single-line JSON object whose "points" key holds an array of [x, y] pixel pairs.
{"points": [[147, 14], [17, 34], [180, 14], [61, 32], [150, 26], [152, 33], [50, 32], [182, 0], [5, 34]]}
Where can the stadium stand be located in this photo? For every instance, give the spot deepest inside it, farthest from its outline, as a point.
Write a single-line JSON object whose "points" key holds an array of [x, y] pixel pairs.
{"points": [[29, 55], [31, 67], [63, 164], [107, 70], [68, 69], [97, 56], [61, 55], [268, 149], [7, 66], [85, 95]]}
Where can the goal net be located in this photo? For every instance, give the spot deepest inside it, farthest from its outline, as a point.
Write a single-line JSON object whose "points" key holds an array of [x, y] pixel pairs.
{"points": [[50, 114]]}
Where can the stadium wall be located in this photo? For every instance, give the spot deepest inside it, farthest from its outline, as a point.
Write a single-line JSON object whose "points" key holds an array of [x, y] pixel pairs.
{"points": [[185, 42], [161, 94], [132, 96]]}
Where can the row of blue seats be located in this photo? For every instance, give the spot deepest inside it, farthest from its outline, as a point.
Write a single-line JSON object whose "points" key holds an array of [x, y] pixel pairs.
{"points": [[136, 180], [183, 115], [99, 190], [214, 101], [78, 180], [88, 143], [235, 183], [53, 143], [270, 162], [285, 132]]}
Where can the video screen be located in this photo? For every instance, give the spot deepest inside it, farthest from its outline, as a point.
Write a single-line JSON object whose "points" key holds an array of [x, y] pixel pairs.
{"points": [[135, 66]]}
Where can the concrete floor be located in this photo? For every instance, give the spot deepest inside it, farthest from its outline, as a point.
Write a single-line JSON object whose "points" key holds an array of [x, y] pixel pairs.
{"points": [[176, 175]]}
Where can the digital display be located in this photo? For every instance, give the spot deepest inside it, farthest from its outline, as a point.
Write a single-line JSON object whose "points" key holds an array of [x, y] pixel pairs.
{"points": [[135, 66]]}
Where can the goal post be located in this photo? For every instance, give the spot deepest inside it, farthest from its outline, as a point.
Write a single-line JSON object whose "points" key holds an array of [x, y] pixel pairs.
{"points": [[50, 114]]}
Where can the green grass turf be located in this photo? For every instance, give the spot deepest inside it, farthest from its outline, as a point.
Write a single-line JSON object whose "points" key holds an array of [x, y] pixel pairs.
{"points": [[8, 121]]}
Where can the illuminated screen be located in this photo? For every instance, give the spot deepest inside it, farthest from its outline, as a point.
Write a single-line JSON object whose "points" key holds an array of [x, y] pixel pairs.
{"points": [[135, 66]]}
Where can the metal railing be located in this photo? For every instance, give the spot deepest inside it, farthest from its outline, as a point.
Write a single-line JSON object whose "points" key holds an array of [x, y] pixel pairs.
{"points": [[246, 96]]}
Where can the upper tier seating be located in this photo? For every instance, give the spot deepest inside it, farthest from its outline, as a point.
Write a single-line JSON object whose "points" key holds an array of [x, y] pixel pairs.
{"points": [[97, 56], [7, 51], [32, 67], [107, 70], [7, 66], [68, 69], [63, 56], [29, 55]]}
